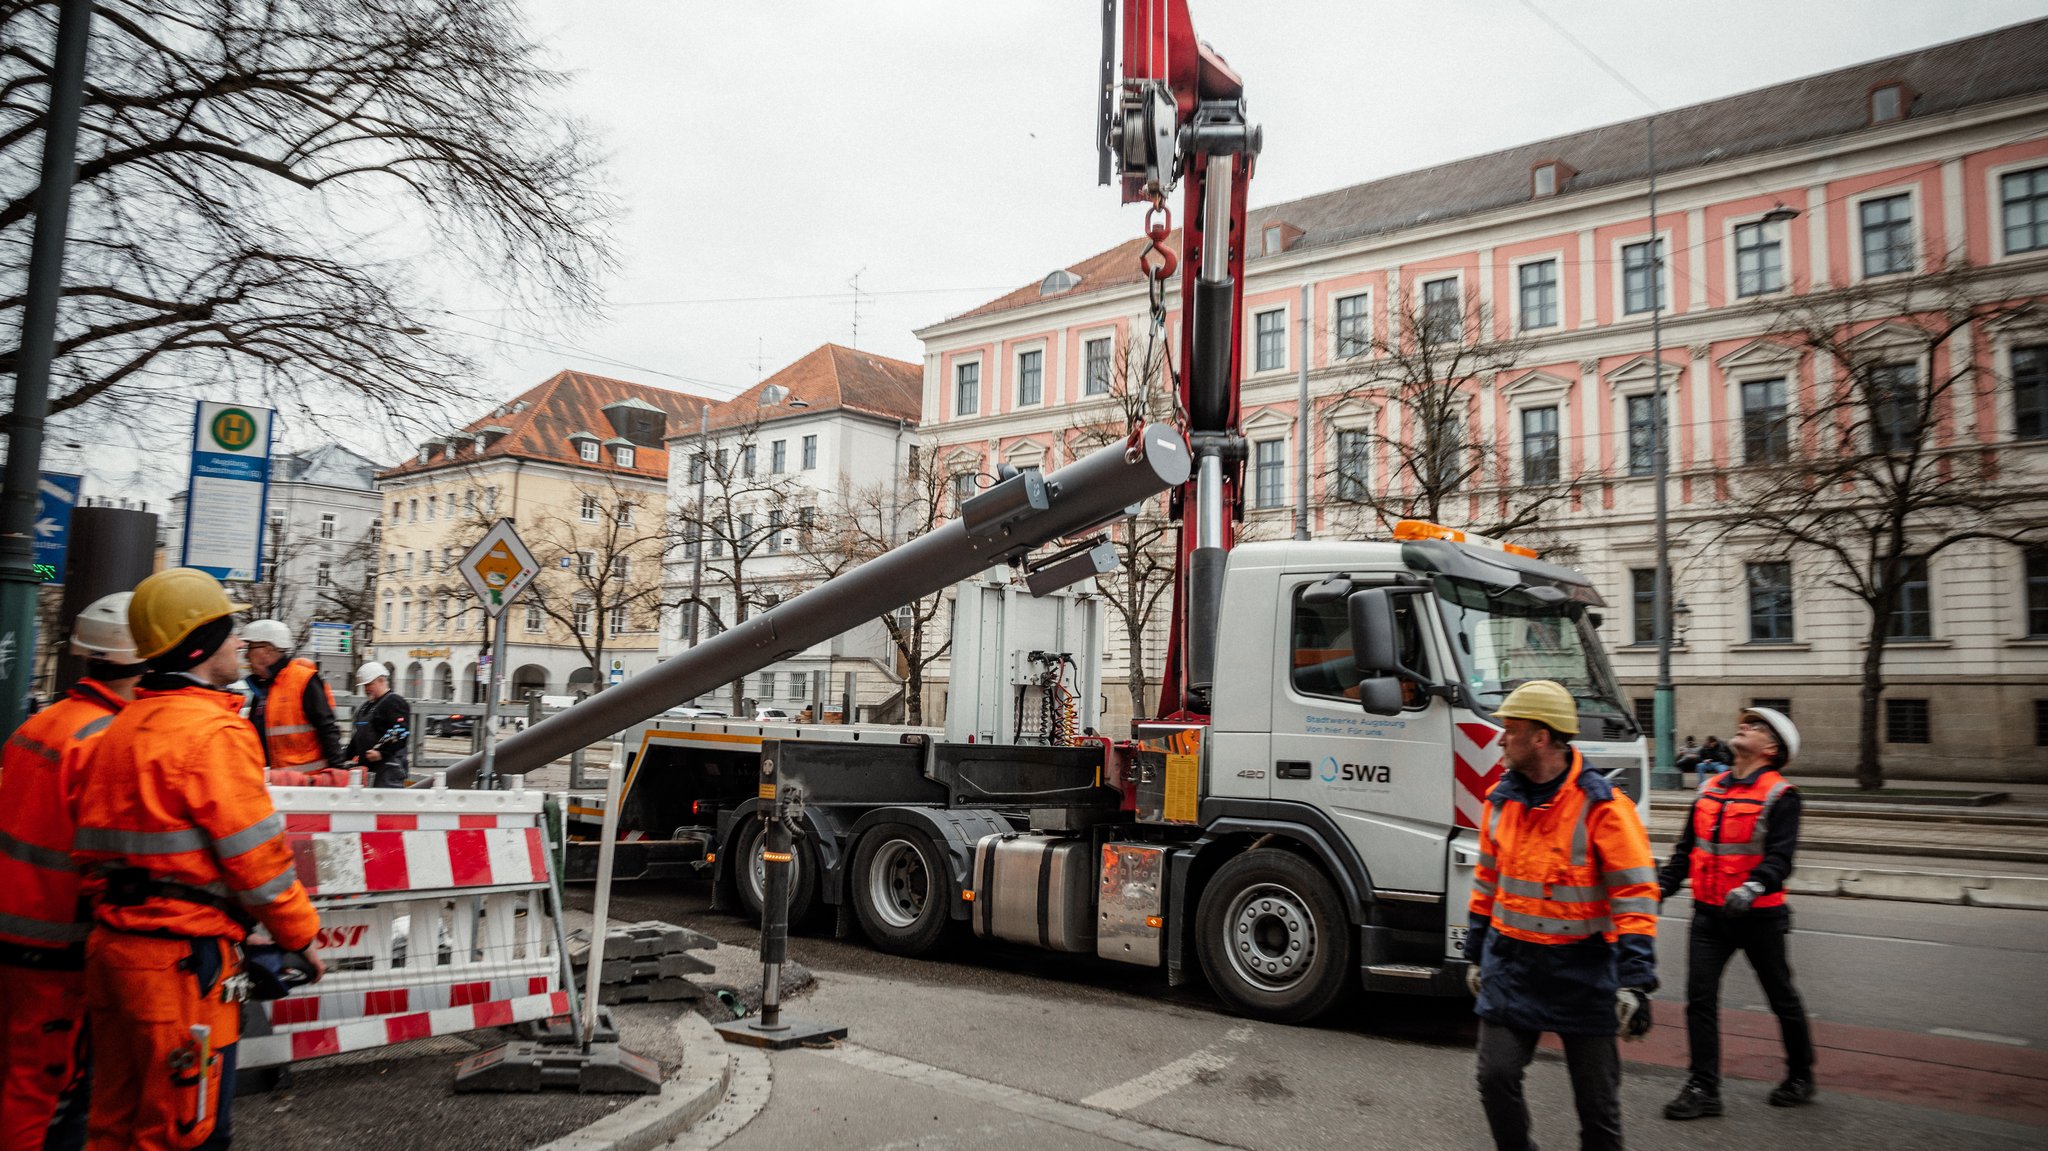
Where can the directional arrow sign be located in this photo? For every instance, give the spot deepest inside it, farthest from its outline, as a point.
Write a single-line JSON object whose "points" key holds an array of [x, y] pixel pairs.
{"points": [[56, 495], [499, 567]]}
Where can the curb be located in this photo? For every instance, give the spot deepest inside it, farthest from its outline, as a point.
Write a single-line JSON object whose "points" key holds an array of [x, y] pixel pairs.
{"points": [[2021, 892], [688, 1096]]}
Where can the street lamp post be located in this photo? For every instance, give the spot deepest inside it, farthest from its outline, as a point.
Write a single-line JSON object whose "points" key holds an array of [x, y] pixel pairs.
{"points": [[1663, 763], [703, 466]]}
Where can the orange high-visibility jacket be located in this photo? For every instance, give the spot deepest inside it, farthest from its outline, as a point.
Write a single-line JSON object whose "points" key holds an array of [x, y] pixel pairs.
{"points": [[1730, 820], [38, 885], [287, 729], [1573, 868], [175, 788]]}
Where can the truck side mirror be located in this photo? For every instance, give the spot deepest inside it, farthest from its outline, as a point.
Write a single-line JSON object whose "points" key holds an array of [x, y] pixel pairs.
{"points": [[1381, 695], [1375, 637]]}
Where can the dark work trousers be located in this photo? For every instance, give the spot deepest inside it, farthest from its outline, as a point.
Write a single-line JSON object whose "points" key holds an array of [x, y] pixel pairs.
{"points": [[1594, 1064], [1715, 940]]}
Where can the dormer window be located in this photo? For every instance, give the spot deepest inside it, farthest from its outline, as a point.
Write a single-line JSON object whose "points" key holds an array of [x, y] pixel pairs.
{"points": [[1548, 178], [1057, 281], [773, 394], [587, 449], [426, 452], [1889, 101], [622, 456]]}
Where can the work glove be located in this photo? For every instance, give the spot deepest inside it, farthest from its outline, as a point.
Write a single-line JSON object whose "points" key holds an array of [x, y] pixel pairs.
{"points": [[1632, 1011], [1739, 900], [1472, 979]]}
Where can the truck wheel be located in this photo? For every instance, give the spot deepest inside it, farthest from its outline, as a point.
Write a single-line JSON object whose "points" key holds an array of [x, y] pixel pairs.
{"points": [[901, 889], [750, 875], [1272, 937]]}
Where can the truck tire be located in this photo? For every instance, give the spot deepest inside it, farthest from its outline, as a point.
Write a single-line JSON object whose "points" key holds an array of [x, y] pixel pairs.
{"points": [[749, 874], [901, 889], [1273, 939]]}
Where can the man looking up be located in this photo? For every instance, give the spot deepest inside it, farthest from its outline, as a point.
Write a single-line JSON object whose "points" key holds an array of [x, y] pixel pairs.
{"points": [[1563, 921], [289, 704], [373, 744]]}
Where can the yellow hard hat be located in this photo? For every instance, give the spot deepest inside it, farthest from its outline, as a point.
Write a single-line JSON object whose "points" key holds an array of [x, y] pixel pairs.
{"points": [[171, 605], [1545, 701]]}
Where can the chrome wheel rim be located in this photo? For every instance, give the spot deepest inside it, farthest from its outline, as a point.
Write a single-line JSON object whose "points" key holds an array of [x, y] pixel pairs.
{"points": [[898, 885], [757, 875], [1272, 940]]}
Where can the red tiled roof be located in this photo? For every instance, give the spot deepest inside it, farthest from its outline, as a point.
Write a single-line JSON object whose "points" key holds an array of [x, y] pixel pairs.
{"points": [[829, 378], [539, 422]]}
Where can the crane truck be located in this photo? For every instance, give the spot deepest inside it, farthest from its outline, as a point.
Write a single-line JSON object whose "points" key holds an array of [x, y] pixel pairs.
{"points": [[1299, 822]]}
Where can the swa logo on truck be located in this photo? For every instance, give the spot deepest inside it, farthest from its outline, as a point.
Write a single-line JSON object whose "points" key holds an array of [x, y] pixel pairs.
{"points": [[1356, 772]]}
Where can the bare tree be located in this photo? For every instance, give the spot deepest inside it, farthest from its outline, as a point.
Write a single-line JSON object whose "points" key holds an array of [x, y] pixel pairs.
{"points": [[600, 565], [1871, 481], [745, 526], [860, 525], [1424, 375], [233, 156]]}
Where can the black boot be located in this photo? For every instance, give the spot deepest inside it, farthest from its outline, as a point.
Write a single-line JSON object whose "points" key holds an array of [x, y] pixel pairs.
{"points": [[1792, 1093], [1694, 1102]]}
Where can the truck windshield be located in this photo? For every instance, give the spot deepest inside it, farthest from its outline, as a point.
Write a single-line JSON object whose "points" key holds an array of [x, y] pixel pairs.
{"points": [[1505, 639]]}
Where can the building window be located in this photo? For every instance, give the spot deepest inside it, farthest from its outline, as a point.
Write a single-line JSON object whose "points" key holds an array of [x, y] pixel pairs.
{"points": [[1096, 353], [408, 564], [743, 544], [1538, 294], [412, 511], [1895, 407], [1272, 340], [533, 616], [1442, 320], [324, 576], [1354, 327], [2030, 393], [691, 536], [697, 469], [447, 613], [1780, 705], [2037, 592], [394, 511], [1887, 234], [966, 389], [469, 501], [1642, 588], [447, 559], [1770, 602], [1030, 378], [588, 512], [1642, 276], [326, 525], [622, 568], [810, 452], [1905, 721], [778, 457], [1445, 461], [2041, 723], [617, 620], [1646, 714], [1270, 481], [586, 450], [1766, 432], [579, 623], [964, 488], [390, 563], [1887, 103], [775, 529], [433, 505], [586, 564], [2025, 199], [623, 514], [1539, 446], [1759, 260], [749, 457], [1913, 611], [622, 456], [1354, 461], [405, 616], [387, 615], [1543, 180], [1642, 435]]}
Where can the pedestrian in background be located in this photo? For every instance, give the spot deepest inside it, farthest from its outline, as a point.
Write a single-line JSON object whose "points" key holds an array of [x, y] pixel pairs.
{"points": [[382, 725], [182, 854], [1737, 849], [43, 1080], [1714, 752], [291, 706], [1563, 921]]}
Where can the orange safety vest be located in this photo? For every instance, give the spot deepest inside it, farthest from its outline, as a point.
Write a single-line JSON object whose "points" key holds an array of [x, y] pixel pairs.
{"points": [[1730, 820], [287, 731], [173, 812], [1568, 870], [38, 885]]}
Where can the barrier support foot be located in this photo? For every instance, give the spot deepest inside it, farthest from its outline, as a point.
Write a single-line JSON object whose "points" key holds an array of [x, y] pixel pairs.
{"points": [[601, 1069]]}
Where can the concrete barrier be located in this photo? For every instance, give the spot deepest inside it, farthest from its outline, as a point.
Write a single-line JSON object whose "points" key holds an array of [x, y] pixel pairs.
{"points": [[2025, 892], [1909, 886]]}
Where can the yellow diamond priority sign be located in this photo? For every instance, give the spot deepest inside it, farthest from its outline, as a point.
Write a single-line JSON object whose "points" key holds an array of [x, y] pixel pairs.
{"points": [[499, 567]]}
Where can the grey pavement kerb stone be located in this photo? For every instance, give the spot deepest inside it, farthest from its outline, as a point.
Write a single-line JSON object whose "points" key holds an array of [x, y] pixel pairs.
{"points": [[688, 1096]]}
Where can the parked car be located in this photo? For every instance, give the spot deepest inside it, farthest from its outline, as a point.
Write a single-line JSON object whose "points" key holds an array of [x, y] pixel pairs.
{"points": [[695, 713], [451, 725], [771, 715]]}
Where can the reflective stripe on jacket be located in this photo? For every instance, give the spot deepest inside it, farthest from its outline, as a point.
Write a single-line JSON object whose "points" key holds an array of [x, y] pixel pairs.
{"points": [[38, 885], [1564, 905], [175, 788], [1730, 821], [287, 729]]}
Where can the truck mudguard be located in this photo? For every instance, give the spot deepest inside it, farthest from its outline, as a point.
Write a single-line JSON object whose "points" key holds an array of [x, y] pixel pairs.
{"points": [[954, 830], [823, 827], [1311, 825]]}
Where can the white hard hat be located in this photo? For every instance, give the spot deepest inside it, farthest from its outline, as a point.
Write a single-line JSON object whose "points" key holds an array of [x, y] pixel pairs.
{"points": [[270, 631], [1782, 729], [369, 671], [101, 630]]}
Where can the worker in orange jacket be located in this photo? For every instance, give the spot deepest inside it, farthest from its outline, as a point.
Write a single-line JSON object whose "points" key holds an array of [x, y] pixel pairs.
{"points": [[42, 934], [182, 854], [291, 707], [1563, 921]]}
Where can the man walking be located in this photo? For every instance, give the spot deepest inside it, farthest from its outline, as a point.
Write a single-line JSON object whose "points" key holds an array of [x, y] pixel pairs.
{"points": [[292, 708], [379, 739], [1737, 848], [1563, 922], [42, 934], [182, 854]]}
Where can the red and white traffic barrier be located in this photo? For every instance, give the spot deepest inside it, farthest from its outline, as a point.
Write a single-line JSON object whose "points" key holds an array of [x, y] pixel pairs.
{"points": [[313, 1042]]}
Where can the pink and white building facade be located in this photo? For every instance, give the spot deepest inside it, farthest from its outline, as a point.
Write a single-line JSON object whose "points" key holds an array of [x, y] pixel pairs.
{"points": [[1895, 169]]}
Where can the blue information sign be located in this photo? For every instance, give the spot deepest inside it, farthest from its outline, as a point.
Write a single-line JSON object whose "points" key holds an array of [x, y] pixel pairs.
{"points": [[230, 486], [56, 495]]}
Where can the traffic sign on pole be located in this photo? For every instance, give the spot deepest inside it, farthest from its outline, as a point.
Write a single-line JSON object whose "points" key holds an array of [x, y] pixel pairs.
{"points": [[56, 495], [228, 491], [499, 567]]}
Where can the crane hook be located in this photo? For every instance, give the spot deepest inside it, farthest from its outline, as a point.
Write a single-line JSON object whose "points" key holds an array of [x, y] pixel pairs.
{"points": [[1158, 225]]}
